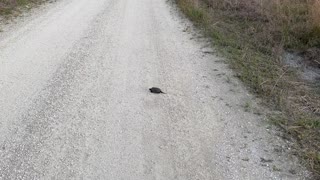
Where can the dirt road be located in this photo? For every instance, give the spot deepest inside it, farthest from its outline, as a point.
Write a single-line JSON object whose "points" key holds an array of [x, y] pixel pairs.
{"points": [[74, 100]]}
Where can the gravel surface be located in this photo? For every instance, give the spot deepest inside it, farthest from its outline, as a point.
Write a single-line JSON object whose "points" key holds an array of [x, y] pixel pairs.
{"points": [[75, 100]]}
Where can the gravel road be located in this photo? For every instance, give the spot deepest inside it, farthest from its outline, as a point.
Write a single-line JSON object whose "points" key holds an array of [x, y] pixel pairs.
{"points": [[74, 100]]}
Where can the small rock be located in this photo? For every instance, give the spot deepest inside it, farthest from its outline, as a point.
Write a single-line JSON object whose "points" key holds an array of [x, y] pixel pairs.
{"points": [[263, 160], [292, 171], [245, 159]]}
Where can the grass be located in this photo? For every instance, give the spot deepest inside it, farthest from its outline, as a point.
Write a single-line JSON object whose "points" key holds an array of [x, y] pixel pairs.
{"points": [[7, 7], [247, 106], [254, 35]]}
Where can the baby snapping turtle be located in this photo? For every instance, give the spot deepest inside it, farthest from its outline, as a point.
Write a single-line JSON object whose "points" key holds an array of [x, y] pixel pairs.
{"points": [[156, 90]]}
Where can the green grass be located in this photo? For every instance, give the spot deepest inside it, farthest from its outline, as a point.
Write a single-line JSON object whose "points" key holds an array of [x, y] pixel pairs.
{"points": [[5, 11], [22, 2], [10, 6]]}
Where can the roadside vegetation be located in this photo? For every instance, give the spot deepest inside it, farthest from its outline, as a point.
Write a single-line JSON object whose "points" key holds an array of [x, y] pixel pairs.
{"points": [[256, 37], [10, 7]]}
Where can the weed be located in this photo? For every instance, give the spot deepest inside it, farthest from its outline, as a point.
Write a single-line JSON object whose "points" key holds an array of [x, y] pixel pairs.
{"points": [[247, 106], [275, 168]]}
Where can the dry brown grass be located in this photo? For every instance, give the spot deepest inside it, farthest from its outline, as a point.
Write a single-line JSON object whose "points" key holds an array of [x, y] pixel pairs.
{"points": [[254, 34], [315, 13], [300, 17]]}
